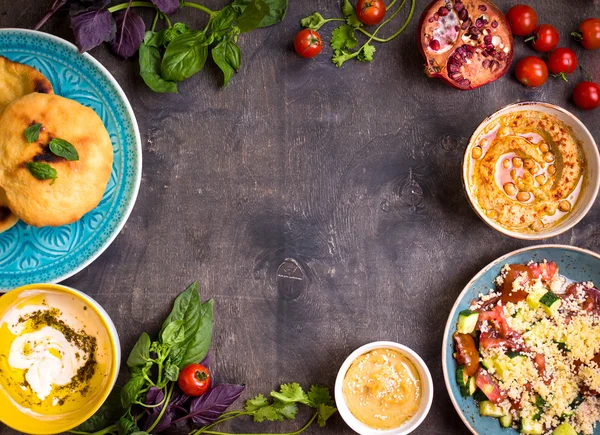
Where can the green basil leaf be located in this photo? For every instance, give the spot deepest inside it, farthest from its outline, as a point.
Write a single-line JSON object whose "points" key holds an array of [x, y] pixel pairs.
{"points": [[106, 415], [140, 352], [198, 346], [130, 391], [171, 372], [126, 426], [64, 149], [223, 20], [174, 333], [253, 15], [176, 30], [276, 14], [185, 56], [42, 171], [32, 133], [141, 432], [154, 39], [150, 60], [228, 57]]}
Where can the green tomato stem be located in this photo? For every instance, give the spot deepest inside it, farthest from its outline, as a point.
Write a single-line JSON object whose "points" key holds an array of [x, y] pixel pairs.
{"points": [[287, 433], [162, 411], [136, 4], [200, 7]]}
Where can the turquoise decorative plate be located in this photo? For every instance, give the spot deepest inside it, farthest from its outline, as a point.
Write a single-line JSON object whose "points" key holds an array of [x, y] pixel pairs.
{"points": [[52, 254], [575, 263]]}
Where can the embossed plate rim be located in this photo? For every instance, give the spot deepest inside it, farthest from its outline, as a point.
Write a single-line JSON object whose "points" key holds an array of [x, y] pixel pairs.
{"points": [[137, 176]]}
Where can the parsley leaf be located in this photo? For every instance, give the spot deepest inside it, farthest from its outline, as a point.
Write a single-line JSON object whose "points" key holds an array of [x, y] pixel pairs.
{"points": [[290, 393], [32, 133], [324, 412], [350, 14], [366, 52], [268, 413], [319, 396], [343, 37], [256, 403], [313, 22], [341, 56]]}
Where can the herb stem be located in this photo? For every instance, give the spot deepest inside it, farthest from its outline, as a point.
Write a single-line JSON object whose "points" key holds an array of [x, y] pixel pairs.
{"points": [[155, 20], [391, 5], [109, 429], [400, 30], [162, 411], [302, 429], [153, 406], [166, 17], [197, 6], [136, 4], [224, 417], [55, 7]]}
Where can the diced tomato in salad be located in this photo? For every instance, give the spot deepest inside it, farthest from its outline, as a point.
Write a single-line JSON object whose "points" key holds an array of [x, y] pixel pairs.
{"points": [[489, 387], [467, 353], [546, 271]]}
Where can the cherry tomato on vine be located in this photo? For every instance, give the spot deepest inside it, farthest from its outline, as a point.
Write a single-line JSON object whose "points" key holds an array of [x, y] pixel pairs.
{"points": [[532, 71], [308, 43], [545, 38], [522, 20], [370, 12], [562, 61], [194, 380], [589, 33], [587, 95]]}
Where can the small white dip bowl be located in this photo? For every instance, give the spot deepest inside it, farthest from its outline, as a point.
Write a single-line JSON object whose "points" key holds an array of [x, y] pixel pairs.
{"points": [[426, 396]]}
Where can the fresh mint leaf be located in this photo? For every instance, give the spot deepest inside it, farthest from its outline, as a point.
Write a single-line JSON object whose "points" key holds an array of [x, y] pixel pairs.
{"points": [[290, 393], [324, 412], [150, 60], [140, 352], [366, 53], [174, 333], [32, 133], [313, 22], [350, 14], [343, 37], [253, 15], [132, 388], [64, 149], [42, 171], [318, 395], [184, 57], [228, 57]]}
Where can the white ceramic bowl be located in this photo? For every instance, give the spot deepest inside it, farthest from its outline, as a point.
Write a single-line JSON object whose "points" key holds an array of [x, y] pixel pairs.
{"points": [[589, 190], [426, 383]]}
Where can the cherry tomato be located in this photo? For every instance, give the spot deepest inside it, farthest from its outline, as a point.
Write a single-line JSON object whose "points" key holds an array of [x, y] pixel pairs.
{"points": [[522, 20], [194, 380], [561, 62], [370, 12], [545, 38], [589, 33], [466, 353], [587, 95], [308, 43], [532, 71]]}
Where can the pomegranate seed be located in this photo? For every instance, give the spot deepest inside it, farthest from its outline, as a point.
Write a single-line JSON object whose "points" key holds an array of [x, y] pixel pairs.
{"points": [[434, 44], [455, 76], [474, 31], [466, 24], [453, 68], [484, 54], [478, 23], [430, 19], [469, 55], [494, 24], [501, 55], [463, 15], [443, 12], [459, 7], [465, 83], [456, 28], [487, 39], [483, 8], [436, 16], [486, 64]]}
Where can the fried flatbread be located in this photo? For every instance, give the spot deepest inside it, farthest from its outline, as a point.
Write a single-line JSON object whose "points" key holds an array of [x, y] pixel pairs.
{"points": [[79, 185], [17, 79], [7, 218]]}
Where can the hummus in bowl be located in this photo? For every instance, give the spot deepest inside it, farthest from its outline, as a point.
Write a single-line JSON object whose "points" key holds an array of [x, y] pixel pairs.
{"points": [[531, 170], [59, 358]]}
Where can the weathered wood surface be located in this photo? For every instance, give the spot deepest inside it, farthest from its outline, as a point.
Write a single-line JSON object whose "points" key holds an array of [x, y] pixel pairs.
{"points": [[354, 172]]}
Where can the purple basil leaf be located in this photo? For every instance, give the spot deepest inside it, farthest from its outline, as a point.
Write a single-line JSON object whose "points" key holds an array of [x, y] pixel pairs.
{"points": [[168, 7], [92, 27], [130, 34], [207, 408], [153, 397], [206, 361]]}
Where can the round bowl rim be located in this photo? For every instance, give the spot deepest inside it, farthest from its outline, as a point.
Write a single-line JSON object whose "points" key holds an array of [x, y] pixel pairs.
{"points": [[114, 344], [552, 232], [462, 294], [409, 425]]}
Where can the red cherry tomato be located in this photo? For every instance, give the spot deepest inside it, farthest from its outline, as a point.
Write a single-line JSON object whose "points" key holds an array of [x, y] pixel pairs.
{"points": [[194, 380], [532, 71], [522, 20], [308, 43], [589, 33], [545, 38], [561, 62], [587, 95], [370, 12]]}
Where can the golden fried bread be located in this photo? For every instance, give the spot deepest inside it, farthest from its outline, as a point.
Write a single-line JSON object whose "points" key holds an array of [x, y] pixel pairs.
{"points": [[17, 79], [79, 184], [7, 218]]}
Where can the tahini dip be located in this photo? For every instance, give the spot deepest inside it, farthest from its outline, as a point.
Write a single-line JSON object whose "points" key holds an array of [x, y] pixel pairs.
{"points": [[526, 171], [54, 352], [382, 389]]}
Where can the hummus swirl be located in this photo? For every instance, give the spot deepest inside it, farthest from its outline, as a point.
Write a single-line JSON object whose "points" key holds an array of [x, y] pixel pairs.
{"points": [[527, 169]]}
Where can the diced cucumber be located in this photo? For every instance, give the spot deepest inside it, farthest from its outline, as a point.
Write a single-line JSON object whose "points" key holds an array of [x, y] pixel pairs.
{"points": [[479, 396], [461, 376], [506, 421], [533, 299], [573, 406], [564, 429], [512, 354], [562, 346], [467, 321], [469, 390], [539, 402], [550, 303], [487, 363], [531, 427], [489, 409]]}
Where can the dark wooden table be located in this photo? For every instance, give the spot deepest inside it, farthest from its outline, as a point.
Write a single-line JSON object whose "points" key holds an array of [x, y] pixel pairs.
{"points": [[354, 173]]}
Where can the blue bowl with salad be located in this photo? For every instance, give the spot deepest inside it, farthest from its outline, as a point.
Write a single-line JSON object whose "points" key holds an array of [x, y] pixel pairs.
{"points": [[521, 349]]}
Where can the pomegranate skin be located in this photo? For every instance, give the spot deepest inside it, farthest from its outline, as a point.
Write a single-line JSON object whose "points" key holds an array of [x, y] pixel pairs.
{"points": [[468, 47]]}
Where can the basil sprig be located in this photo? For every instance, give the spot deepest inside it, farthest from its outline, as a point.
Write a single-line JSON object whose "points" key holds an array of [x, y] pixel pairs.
{"points": [[42, 171], [64, 149], [32, 133]]}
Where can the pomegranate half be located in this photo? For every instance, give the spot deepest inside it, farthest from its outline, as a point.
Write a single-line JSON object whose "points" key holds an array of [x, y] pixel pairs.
{"points": [[466, 43]]}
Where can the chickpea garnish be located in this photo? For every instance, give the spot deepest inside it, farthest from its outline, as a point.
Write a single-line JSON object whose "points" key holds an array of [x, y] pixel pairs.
{"points": [[493, 214], [564, 205], [552, 169], [510, 189], [541, 179], [513, 173], [476, 153], [506, 163], [544, 147], [517, 162], [537, 226], [549, 157], [528, 163], [523, 196]]}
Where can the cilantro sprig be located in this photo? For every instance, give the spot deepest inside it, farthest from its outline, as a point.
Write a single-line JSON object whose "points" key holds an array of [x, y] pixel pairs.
{"points": [[344, 42]]}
